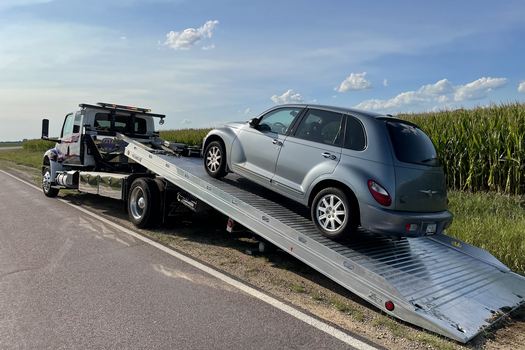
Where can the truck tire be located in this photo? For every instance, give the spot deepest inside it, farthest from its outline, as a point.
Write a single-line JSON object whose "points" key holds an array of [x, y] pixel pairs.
{"points": [[332, 213], [46, 183], [215, 159], [144, 203]]}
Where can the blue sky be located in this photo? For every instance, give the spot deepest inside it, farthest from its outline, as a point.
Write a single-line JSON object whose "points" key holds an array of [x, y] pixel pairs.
{"points": [[206, 62]]}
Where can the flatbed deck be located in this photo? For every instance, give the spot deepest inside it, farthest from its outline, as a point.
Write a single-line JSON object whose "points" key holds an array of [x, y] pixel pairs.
{"points": [[436, 282]]}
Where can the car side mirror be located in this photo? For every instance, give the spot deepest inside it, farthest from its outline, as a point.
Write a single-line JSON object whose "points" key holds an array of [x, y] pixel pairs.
{"points": [[254, 122], [45, 129]]}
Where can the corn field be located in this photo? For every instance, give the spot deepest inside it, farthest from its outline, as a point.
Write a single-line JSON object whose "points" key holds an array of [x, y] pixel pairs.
{"points": [[191, 137], [480, 149], [37, 145]]}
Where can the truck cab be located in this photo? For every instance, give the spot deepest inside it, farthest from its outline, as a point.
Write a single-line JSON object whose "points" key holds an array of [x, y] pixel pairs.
{"points": [[89, 141]]}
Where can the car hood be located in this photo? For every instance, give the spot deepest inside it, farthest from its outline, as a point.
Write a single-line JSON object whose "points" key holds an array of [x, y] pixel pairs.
{"points": [[235, 125]]}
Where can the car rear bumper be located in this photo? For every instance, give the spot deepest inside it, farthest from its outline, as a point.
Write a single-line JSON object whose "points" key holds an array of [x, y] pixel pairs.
{"points": [[393, 222]]}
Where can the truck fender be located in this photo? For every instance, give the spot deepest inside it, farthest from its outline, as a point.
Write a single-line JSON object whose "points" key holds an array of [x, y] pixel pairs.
{"points": [[51, 158]]}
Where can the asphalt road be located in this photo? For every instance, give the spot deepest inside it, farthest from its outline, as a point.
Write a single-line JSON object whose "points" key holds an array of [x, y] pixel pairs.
{"points": [[68, 280]]}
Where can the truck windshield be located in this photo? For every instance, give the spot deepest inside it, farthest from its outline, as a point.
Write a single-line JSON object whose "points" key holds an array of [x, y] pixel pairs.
{"points": [[122, 123], [411, 144]]}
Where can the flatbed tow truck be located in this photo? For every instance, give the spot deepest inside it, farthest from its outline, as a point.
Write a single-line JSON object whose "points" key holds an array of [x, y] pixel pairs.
{"points": [[435, 282]]}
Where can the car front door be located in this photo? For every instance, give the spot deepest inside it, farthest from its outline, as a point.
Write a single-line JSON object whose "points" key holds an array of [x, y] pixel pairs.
{"points": [[255, 151], [313, 150]]}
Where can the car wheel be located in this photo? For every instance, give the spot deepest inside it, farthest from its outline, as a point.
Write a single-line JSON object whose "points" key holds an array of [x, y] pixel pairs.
{"points": [[333, 214], [47, 183], [215, 159], [144, 203]]}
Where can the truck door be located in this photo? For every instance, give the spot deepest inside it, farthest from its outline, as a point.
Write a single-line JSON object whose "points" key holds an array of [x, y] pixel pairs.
{"points": [[70, 146]]}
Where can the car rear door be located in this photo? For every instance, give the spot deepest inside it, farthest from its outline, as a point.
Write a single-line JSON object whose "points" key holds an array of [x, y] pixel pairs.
{"points": [[258, 147], [314, 149]]}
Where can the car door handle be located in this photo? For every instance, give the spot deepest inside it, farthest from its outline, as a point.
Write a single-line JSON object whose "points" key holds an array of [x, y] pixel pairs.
{"points": [[277, 142], [328, 155]]}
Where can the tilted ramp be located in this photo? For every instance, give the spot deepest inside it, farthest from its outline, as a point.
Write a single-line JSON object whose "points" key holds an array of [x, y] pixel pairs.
{"points": [[436, 282]]}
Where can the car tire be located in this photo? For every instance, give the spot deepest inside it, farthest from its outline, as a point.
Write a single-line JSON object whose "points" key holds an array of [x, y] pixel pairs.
{"points": [[144, 203], [333, 214], [215, 159], [47, 183]]}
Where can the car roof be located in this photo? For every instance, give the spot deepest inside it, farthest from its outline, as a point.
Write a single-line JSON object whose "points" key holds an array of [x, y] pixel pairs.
{"points": [[338, 109]]}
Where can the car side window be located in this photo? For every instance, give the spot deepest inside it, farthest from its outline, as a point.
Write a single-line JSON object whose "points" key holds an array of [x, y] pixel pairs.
{"points": [[278, 121], [355, 138], [321, 126], [67, 129]]}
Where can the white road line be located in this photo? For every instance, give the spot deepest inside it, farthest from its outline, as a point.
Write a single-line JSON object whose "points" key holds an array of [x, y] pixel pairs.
{"points": [[336, 333]]}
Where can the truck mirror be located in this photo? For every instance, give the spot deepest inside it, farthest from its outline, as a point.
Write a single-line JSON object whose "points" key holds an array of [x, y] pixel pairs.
{"points": [[45, 129]]}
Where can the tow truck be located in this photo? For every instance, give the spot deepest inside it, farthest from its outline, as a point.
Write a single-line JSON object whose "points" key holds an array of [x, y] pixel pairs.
{"points": [[435, 282]]}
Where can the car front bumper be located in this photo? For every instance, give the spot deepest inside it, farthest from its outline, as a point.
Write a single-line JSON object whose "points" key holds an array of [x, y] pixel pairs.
{"points": [[403, 223]]}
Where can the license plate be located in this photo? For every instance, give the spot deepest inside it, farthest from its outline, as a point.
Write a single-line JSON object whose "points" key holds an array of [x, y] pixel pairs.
{"points": [[431, 229]]}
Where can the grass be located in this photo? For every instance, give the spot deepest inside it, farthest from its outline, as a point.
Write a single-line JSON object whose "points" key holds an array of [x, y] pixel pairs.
{"points": [[23, 157], [10, 143], [297, 288], [491, 221]]}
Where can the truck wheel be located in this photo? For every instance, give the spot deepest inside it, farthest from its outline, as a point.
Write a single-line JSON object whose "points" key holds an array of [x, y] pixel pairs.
{"points": [[144, 203], [215, 159], [46, 183], [332, 213]]}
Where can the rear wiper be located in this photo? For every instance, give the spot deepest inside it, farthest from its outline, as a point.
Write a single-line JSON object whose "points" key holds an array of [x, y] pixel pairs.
{"points": [[428, 160]]}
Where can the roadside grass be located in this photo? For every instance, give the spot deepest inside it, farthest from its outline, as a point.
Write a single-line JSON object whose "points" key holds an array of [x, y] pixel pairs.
{"points": [[23, 157], [491, 221], [10, 144]]}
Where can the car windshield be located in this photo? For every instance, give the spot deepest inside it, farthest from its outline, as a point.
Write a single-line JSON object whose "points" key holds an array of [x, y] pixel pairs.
{"points": [[411, 144]]}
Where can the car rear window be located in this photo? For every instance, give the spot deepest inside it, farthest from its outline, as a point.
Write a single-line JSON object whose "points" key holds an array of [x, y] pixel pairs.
{"points": [[411, 144]]}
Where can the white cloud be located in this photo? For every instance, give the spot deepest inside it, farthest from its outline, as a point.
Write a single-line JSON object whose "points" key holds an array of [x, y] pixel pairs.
{"points": [[521, 87], [442, 91], [208, 47], [385, 82], [355, 81], [190, 37], [478, 88], [247, 111], [289, 96], [185, 122]]}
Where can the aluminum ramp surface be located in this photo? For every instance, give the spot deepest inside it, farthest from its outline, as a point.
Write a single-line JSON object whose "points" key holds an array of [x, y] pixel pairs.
{"points": [[438, 283]]}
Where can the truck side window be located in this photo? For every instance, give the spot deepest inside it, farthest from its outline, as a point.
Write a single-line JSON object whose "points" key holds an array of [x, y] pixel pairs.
{"points": [[76, 124], [67, 128]]}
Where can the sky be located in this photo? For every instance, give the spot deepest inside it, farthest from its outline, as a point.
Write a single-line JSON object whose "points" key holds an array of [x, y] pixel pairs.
{"points": [[203, 63]]}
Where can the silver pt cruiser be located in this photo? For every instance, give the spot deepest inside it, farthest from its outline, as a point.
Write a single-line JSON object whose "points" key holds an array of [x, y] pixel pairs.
{"points": [[352, 168]]}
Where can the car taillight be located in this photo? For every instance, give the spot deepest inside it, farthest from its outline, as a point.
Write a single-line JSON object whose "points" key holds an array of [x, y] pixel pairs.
{"points": [[379, 193]]}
